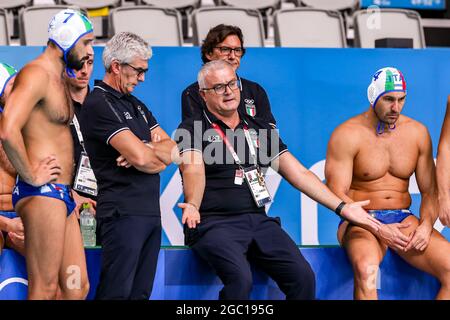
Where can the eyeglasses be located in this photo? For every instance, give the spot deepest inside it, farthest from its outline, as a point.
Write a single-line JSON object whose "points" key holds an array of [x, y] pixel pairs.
{"points": [[222, 88], [140, 71], [238, 51]]}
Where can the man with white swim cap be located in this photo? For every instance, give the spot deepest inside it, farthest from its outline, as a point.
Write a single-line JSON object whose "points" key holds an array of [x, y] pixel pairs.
{"points": [[36, 137], [372, 156], [11, 226]]}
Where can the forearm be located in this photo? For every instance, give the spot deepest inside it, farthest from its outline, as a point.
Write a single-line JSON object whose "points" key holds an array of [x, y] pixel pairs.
{"points": [[166, 151], [4, 224], [308, 183], [443, 173], [428, 209], [15, 149], [193, 188]]}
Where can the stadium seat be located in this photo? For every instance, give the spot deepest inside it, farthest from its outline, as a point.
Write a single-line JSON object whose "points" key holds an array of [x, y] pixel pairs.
{"points": [[371, 25], [12, 10], [4, 34], [185, 7], [329, 5], [248, 20], [265, 7], [158, 26], [98, 12], [308, 27], [34, 24]]}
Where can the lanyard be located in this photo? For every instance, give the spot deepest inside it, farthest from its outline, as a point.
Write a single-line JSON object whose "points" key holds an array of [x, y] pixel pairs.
{"points": [[76, 124], [230, 147]]}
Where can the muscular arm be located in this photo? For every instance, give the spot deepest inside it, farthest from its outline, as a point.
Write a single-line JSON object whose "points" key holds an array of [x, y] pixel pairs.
{"points": [[5, 164], [426, 181], [26, 94], [339, 163], [443, 169]]}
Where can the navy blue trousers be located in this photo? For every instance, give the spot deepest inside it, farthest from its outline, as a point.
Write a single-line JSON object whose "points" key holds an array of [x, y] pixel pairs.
{"points": [[130, 248], [230, 243]]}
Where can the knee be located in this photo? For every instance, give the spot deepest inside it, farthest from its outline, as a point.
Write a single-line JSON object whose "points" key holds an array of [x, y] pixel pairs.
{"points": [[75, 292], [366, 274], [303, 286], [43, 290], [237, 285], [365, 268]]}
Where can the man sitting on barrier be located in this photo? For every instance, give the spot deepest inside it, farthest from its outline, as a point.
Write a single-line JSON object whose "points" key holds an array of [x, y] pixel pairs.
{"points": [[225, 192], [372, 156], [224, 42], [12, 235]]}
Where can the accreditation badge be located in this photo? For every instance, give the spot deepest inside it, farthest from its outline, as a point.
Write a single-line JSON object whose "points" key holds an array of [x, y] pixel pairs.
{"points": [[85, 179], [257, 185]]}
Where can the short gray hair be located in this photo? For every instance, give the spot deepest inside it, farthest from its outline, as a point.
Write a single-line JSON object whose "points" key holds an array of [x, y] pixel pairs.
{"points": [[208, 67], [124, 47]]}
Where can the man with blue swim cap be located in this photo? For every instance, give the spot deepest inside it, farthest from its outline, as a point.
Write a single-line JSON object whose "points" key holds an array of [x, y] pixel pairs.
{"points": [[372, 156], [36, 137], [11, 226]]}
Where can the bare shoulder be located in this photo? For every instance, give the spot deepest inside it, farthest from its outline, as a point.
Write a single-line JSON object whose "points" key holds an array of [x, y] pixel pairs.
{"points": [[33, 72], [414, 127], [345, 132]]}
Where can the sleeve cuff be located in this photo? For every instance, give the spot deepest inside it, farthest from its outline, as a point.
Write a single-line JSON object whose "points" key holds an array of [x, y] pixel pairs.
{"points": [[114, 133], [279, 154]]}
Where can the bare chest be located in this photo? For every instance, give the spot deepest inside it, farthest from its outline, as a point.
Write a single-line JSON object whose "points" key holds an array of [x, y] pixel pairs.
{"points": [[396, 155], [57, 105]]}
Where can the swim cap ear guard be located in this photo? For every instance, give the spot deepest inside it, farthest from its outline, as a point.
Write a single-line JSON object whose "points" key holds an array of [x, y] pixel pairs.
{"points": [[65, 29], [385, 80], [6, 73]]}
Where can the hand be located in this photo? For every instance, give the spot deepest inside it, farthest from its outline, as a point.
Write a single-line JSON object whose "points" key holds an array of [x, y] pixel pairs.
{"points": [[15, 225], [17, 242], [156, 137], [80, 200], [354, 213], [393, 237], [420, 238], [191, 216], [122, 162], [47, 170], [444, 212]]}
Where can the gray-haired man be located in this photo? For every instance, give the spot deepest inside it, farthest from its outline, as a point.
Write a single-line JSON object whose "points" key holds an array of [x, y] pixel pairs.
{"points": [[127, 150]]}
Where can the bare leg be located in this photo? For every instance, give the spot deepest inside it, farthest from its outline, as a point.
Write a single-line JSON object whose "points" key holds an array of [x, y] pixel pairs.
{"points": [[44, 222], [73, 277], [365, 253], [434, 260]]}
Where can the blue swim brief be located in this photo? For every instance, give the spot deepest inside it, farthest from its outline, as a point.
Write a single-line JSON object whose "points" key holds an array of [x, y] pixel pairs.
{"points": [[52, 190], [8, 214], [388, 216]]}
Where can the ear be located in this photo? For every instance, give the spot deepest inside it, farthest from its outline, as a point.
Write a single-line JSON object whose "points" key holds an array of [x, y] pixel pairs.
{"points": [[209, 56], [115, 67], [202, 94]]}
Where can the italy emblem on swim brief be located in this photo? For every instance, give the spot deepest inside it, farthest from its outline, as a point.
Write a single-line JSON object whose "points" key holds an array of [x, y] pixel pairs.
{"points": [[250, 107], [60, 190]]}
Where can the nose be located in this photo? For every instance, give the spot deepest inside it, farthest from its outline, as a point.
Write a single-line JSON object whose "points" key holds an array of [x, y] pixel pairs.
{"points": [[141, 77], [396, 106]]}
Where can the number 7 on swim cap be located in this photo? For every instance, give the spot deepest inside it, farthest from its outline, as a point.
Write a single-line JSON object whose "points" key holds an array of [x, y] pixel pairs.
{"points": [[67, 27]]}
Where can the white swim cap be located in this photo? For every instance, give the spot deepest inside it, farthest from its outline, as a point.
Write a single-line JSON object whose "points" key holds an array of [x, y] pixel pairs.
{"points": [[6, 73], [385, 80], [66, 27]]}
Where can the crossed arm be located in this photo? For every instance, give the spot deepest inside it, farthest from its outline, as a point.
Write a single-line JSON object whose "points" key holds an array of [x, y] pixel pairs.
{"points": [[149, 158]]}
